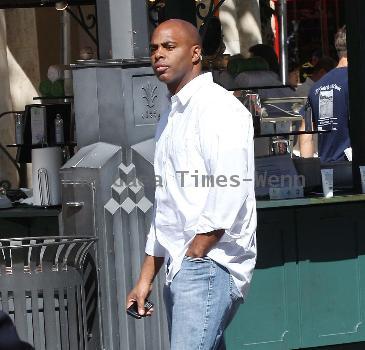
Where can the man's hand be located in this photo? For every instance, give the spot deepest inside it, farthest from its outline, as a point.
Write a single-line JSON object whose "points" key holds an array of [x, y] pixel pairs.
{"points": [[203, 243], [140, 293], [143, 288]]}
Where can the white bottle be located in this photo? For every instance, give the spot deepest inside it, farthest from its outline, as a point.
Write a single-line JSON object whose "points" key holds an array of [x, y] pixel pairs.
{"points": [[19, 128], [58, 125]]}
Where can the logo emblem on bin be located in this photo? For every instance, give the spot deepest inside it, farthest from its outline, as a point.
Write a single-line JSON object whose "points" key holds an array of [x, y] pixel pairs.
{"points": [[149, 96]]}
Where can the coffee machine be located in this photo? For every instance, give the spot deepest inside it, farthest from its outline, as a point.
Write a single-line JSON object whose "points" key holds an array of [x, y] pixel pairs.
{"points": [[43, 136], [42, 125]]}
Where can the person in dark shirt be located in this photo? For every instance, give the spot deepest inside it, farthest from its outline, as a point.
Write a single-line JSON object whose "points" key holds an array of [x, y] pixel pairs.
{"points": [[322, 67], [9, 338], [268, 54], [328, 100], [294, 74]]}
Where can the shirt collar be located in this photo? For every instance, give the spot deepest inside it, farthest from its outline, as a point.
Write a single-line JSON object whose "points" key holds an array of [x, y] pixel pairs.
{"points": [[184, 95]]}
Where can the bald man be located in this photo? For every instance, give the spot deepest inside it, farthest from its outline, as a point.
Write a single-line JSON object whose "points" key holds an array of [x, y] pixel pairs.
{"points": [[204, 220]]}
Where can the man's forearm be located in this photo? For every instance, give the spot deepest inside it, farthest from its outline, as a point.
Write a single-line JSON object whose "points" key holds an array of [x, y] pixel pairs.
{"points": [[306, 146], [143, 287], [150, 268], [203, 243]]}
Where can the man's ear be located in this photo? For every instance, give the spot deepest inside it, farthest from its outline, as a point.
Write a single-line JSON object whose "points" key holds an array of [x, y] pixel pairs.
{"points": [[196, 54]]}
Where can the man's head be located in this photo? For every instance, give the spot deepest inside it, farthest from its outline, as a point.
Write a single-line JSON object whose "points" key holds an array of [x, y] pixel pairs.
{"points": [[294, 73], [176, 53], [323, 66], [315, 56], [340, 42]]}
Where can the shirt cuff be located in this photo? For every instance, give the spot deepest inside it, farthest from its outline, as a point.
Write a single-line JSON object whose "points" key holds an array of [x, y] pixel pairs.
{"points": [[205, 225]]}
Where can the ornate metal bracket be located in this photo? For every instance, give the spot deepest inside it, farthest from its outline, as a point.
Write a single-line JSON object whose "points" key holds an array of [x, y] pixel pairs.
{"points": [[80, 19], [211, 11], [154, 9]]}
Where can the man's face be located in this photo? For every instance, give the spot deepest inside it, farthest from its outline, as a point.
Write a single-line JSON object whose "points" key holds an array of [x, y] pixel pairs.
{"points": [[294, 78], [172, 55]]}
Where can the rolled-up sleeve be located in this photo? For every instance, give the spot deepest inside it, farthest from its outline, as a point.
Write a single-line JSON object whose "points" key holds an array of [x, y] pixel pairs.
{"points": [[227, 148], [153, 247]]}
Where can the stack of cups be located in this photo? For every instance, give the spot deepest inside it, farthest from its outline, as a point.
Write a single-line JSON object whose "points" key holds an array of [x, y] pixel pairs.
{"points": [[46, 163], [327, 182]]}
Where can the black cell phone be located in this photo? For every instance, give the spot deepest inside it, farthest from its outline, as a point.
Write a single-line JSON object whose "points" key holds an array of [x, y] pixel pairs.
{"points": [[133, 309]]}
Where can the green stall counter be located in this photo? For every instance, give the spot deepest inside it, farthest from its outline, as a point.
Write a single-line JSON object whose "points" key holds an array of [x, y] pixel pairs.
{"points": [[308, 288]]}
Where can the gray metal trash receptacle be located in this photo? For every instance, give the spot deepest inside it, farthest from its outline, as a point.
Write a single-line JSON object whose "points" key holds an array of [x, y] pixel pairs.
{"points": [[41, 288]]}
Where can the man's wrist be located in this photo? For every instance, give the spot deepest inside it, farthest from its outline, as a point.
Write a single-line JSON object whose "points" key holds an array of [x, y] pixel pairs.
{"points": [[196, 249], [203, 242], [144, 281], [195, 253]]}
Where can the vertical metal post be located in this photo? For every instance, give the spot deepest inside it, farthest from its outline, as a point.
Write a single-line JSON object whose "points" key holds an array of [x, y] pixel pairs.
{"points": [[324, 26], [337, 14], [283, 42], [66, 38], [122, 28], [355, 25]]}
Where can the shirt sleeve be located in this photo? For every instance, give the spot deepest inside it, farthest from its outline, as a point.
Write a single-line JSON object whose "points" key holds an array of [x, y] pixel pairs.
{"points": [[153, 247], [227, 147]]}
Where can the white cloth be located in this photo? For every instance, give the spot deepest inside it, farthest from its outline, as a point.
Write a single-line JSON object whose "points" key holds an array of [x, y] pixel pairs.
{"points": [[205, 131]]}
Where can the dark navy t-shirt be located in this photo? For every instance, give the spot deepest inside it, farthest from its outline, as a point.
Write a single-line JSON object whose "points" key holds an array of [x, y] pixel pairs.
{"points": [[328, 98]]}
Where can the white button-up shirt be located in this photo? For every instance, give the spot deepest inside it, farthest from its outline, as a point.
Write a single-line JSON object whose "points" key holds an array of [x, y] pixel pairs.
{"points": [[204, 168]]}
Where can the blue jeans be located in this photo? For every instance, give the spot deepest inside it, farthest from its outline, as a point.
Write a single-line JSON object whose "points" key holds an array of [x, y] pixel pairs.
{"points": [[200, 302]]}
